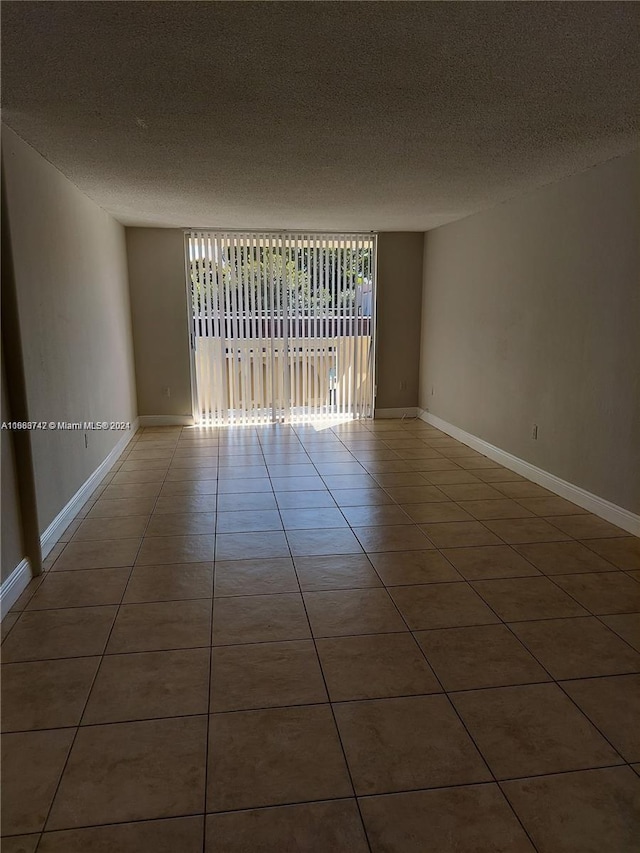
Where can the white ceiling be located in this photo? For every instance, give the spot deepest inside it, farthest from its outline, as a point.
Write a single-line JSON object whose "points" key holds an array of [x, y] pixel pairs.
{"points": [[314, 115]]}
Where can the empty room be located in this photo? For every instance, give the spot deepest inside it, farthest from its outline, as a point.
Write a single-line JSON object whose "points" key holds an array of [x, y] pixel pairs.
{"points": [[320, 427]]}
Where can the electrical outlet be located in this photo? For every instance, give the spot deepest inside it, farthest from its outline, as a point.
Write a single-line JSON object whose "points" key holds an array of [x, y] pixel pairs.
{"points": [[534, 432], [167, 391], [403, 385]]}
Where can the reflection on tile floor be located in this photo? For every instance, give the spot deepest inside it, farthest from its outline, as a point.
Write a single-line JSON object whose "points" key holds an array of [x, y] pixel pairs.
{"points": [[366, 637]]}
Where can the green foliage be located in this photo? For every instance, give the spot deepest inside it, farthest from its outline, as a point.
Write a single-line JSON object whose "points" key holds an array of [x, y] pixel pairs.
{"points": [[247, 278]]}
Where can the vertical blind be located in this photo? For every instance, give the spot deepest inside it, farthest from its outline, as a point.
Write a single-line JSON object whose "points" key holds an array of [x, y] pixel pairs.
{"points": [[283, 325]]}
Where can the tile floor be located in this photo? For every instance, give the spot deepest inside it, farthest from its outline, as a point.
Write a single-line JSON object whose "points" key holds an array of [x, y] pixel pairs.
{"points": [[361, 638]]}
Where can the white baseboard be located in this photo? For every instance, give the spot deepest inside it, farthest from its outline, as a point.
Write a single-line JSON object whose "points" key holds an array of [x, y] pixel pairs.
{"points": [[66, 515], [598, 506], [165, 420], [13, 587], [408, 411]]}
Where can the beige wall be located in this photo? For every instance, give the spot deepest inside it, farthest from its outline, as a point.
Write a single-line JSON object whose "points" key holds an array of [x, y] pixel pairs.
{"points": [[12, 550], [531, 314], [160, 320], [398, 318], [159, 314], [73, 300]]}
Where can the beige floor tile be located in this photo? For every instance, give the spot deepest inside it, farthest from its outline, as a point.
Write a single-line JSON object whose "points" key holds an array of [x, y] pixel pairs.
{"points": [[586, 526], [375, 666], [398, 568], [352, 611], [498, 475], [360, 497], [32, 763], [482, 656], [259, 619], [181, 475], [456, 534], [431, 513], [150, 684], [312, 827], [266, 675], [450, 475], [520, 530], [157, 550], [627, 626], [577, 648], [491, 561], [53, 555], [416, 494], [603, 592], [613, 705], [132, 771], [302, 484], [71, 530], [48, 634], [255, 577], [248, 502], [530, 730], [589, 812], [404, 744], [399, 478], [551, 506], [522, 489], [161, 625], [184, 834], [471, 492], [372, 516], [274, 756], [495, 509], [79, 589], [104, 508], [249, 546], [27, 594], [317, 543], [312, 518], [207, 487], [389, 466], [473, 819], [45, 694], [169, 582], [304, 500], [473, 463], [515, 599], [172, 504], [20, 843], [132, 490], [7, 624], [340, 571], [441, 605], [397, 537], [623, 552], [181, 524], [248, 521], [300, 469], [346, 481], [142, 475], [558, 558], [98, 554], [151, 453]]}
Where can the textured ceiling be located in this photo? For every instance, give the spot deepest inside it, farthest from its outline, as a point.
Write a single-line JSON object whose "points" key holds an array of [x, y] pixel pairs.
{"points": [[372, 115]]}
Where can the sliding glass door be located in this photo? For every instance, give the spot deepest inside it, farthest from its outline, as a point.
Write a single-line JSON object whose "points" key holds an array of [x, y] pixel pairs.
{"points": [[282, 325]]}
